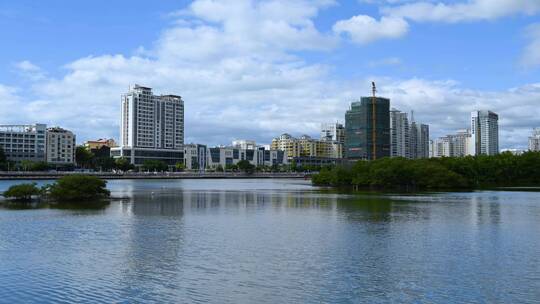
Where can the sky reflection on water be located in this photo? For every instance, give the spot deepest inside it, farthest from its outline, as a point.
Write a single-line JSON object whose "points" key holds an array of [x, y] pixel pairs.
{"points": [[274, 241]]}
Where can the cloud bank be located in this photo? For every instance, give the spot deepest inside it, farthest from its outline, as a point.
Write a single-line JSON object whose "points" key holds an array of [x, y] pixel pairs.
{"points": [[236, 64]]}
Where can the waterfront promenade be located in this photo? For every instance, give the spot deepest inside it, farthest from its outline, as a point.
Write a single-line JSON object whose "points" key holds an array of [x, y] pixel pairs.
{"points": [[16, 175]]}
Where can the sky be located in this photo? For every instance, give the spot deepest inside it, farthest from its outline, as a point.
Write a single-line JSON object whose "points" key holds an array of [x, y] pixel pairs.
{"points": [[251, 69]]}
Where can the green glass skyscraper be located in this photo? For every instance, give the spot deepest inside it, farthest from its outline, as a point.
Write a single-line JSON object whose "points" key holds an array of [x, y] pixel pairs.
{"points": [[365, 137]]}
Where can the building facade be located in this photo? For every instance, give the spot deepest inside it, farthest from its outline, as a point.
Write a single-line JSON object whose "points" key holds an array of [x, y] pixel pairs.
{"points": [[333, 132], [24, 142], [151, 127], [305, 146], [61, 146], [195, 157], [485, 133], [534, 140], [244, 144], [226, 156], [399, 134], [418, 140], [367, 129], [102, 142], [454, 145]]}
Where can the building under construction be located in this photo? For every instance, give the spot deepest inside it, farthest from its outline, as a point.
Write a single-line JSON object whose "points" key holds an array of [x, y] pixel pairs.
{"points": [[367, 128]]}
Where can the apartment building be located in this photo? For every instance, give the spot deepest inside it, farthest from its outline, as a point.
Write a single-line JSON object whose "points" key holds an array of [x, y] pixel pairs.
{"points": [[24, 142], [151, 127], [61, 146]]}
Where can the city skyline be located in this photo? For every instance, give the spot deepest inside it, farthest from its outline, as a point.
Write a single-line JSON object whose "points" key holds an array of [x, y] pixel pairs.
{"points": [[305, 71]]}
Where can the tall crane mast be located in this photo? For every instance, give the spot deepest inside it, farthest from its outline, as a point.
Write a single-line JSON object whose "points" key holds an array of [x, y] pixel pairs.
{"points": [[374, 121]]}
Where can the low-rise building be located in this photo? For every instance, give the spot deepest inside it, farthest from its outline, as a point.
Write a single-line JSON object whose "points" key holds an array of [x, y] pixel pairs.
{"points": [[195, 157], [60, 146], [102, 142], [307, 146], [201, 157], [24, 142]]}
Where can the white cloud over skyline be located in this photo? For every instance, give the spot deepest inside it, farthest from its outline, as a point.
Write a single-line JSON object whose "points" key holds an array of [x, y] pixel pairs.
{"points": [[531, 54], [364, 29], [236, 65], [472, 10]]}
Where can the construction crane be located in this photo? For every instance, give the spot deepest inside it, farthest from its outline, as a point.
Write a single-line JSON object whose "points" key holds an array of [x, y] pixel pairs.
{"points": [[374, 121]]}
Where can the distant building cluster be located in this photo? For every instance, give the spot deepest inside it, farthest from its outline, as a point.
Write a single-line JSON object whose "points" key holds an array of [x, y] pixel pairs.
{"points": [[481, 139], [152, 129], [38, 143]]}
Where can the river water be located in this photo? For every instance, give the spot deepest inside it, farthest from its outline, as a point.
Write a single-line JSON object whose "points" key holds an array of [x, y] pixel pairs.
{"points": [[273, 241]]}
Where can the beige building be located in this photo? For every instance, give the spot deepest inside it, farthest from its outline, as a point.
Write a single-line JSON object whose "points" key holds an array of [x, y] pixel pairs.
{"points": [[60, 146], [102, 142], [307, 146]]}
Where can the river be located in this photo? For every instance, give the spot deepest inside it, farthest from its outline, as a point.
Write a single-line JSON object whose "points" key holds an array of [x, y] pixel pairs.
{"points": [[273, 241]]}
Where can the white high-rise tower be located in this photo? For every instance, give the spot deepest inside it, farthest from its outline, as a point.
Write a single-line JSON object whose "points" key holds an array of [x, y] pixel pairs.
{"points": [[151, 127], [485, 133]]}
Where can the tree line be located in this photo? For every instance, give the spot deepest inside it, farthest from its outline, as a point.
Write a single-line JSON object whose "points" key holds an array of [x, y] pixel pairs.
{"points": [[471, 172]]}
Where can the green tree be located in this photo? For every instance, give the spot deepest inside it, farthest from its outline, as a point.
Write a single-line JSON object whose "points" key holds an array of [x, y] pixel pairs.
{"points": [[219, 168], [154, 165], [78, 187], [245, 166], [123, 164], [83, 157], [180, 166], [231, 167], [22, 192], [105, 163]]}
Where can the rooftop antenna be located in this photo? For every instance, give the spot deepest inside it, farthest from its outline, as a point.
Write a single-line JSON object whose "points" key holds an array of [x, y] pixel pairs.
{"points": [[374, 121]]}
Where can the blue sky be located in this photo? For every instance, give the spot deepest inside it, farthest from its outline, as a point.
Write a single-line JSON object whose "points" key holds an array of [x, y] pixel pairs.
{"points": [[255, 69]]}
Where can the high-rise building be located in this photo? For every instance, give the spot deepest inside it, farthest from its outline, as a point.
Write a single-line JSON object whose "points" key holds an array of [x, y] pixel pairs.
{"points": [[152, 127], [367, 136], [453, 145], [534, 140], [419, 140], [334, 135], [24, 142], [334, 132], [60, 146], [461, 143], [485, 133], [442, 147], [399, 134]]}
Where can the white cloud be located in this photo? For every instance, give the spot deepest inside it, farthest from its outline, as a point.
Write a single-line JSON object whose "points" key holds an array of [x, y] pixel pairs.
{"points": [[531, 54], [29, 70], [11, 105], [446, 106], [390, 61], [463, 11], [364, 29], [240, 78]]}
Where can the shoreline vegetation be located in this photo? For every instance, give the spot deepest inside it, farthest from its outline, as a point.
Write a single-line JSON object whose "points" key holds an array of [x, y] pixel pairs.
{"points": [[75, 190], [435, 174]]}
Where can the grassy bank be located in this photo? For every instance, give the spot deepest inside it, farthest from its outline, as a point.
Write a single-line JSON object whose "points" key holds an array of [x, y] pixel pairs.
{"points": [[464, 173]]}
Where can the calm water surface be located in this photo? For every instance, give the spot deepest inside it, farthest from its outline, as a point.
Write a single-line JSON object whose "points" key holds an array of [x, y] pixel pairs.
{"points": [[273, 241]]}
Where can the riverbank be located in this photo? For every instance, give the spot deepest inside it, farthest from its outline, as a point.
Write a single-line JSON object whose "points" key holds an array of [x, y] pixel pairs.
{"points": [[504, 170], [151, 175]]}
